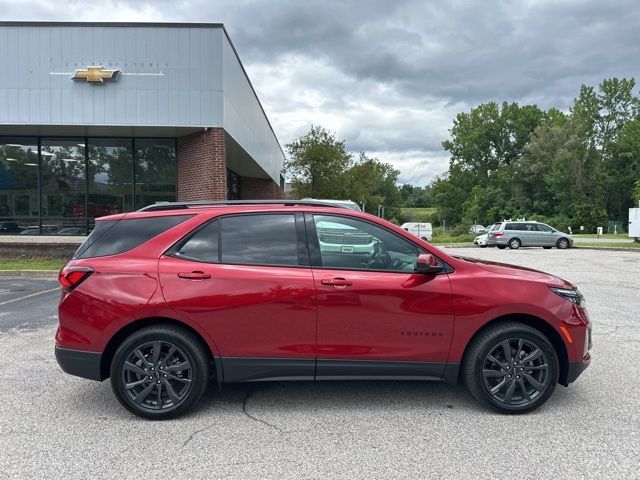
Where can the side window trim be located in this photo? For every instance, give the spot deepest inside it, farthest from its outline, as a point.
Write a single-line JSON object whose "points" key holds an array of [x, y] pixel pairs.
{"points": [[312, 240]]}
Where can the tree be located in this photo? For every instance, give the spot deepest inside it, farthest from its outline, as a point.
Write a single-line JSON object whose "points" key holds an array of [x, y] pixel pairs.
{"points": [[373, 183], [490, 137], [317, 163], [605, 112]]}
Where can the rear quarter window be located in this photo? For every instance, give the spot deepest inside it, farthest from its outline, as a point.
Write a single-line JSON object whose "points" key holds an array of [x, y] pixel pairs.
{"points": [[112, 238]]}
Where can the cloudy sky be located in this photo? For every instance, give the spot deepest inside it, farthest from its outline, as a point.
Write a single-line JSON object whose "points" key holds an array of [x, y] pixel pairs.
{"points": [[388, 76]]}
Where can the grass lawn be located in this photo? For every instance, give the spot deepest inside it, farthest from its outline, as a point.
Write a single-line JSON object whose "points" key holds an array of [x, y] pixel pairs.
{"points": [[605, 235], [31, 264], [421, 214]]}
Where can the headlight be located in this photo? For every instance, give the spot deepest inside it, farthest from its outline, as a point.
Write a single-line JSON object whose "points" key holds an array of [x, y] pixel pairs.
{"points": [[574, 296]]}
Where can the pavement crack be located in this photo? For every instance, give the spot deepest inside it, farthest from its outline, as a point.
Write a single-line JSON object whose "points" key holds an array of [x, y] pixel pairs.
{"points": [[245, 401], [186, 442]]}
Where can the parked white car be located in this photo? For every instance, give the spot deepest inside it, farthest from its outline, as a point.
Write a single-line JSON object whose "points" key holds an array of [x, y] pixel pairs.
{"points": [[421, 230], [481, 241]]}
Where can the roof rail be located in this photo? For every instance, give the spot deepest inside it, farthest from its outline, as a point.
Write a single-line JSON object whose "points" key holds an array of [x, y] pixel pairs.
{"points": [[159, 206]]}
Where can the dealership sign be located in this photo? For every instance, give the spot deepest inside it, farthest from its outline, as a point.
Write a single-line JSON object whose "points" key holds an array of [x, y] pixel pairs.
{"points": [[95, 74]]}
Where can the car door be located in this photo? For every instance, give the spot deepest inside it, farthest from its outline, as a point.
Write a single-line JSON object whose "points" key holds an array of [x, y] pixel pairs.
{"points": [[246, 281], [546, 235], [376, 317]]}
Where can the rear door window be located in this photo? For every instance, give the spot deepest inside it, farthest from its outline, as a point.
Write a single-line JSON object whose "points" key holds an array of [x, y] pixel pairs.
{"points": [[112, 238], [262, 239]]}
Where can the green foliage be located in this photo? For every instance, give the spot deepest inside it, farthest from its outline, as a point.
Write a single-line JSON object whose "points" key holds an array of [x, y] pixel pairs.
{"points": [[320, 167], [572, 169], [426, 214], [316, 165], [415, 197]]}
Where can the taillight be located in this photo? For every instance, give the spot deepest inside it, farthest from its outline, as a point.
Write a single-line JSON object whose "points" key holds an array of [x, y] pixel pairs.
{"points": [[498, 234], [70, 277]]}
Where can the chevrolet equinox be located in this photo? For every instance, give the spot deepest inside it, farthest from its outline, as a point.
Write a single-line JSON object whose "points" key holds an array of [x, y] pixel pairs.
{"points": [[176, 295]]}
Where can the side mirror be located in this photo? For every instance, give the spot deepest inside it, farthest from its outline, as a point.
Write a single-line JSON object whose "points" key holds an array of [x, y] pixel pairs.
{"points": [[427, 263]]}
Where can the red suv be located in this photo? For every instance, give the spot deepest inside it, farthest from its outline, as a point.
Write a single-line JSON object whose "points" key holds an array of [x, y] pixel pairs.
{"points": [[166, 299]]}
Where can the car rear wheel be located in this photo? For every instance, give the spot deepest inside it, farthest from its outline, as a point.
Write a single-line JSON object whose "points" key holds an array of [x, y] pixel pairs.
{"points": [[511, 368], [563, 243], [546, 248], [514, 244], [502, 247], [159, 372]]}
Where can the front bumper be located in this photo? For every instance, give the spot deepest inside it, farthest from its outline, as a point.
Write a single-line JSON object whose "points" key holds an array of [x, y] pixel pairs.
{"points": [[575, 369], [80, 363]]}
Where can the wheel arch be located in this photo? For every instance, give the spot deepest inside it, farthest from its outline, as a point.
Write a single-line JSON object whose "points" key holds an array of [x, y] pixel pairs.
{"points": [[116, 340], [539, 324]]}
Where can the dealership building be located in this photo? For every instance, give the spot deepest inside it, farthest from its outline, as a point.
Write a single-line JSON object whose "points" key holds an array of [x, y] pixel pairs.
{"points": [[102, 118]]}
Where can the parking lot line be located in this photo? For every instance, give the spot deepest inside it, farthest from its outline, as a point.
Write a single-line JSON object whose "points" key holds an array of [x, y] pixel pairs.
{"points": [[29, 296]]}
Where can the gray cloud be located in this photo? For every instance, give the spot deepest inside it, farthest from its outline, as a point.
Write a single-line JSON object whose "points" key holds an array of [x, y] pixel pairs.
{"points": [[388, 76]]}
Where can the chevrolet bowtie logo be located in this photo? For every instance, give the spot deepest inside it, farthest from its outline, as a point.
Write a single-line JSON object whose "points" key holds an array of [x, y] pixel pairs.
{"points": [[96, 74]]}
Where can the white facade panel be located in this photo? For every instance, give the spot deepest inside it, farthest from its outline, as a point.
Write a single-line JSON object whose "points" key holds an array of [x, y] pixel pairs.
{"points": [[158, 65], [170, 76], [244, 118]]}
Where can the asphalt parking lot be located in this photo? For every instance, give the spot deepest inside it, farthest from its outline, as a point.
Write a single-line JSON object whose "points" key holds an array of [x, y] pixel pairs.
{"points": [[56, 426]]}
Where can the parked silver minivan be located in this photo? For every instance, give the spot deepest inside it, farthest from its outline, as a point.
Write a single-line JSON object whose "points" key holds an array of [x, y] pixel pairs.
{"points": [[516, 234]]}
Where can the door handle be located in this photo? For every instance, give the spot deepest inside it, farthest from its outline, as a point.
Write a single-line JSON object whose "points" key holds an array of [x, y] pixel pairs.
{"points": [[194, 275], [336, 282]]}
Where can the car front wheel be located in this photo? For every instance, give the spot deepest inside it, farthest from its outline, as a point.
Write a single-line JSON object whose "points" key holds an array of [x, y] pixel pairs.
{"points": [[563, 244], [511, 368], [159, 372]]}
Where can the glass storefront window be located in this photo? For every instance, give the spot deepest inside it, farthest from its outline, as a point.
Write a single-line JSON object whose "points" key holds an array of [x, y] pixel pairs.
{"points": [[155, 171], [63, 185], [110, 177], [18, 184], [80, 179]]}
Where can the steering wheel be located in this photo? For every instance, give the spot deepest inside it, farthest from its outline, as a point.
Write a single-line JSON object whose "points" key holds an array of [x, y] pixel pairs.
{"points": [[379, 257]]}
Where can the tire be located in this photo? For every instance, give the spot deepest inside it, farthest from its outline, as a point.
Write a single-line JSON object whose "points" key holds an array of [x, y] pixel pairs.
{"points": [[172, 383], [563, 244], [483, 246], [514, 243], [538, 383], [547, 248], [501, 247]]}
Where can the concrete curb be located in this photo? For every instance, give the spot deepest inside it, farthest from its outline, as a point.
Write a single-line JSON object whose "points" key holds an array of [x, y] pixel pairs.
{"points": [[611, 249], [29, 273]]}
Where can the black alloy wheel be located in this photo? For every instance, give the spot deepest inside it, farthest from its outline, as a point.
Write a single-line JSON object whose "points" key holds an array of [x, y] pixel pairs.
{"points": [[515, 372], [514, 244], [159, 372], [157, 375], [511, 367]]}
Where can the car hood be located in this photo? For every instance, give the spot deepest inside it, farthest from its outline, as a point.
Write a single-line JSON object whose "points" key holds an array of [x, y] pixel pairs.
{"points": [[518, 271]]}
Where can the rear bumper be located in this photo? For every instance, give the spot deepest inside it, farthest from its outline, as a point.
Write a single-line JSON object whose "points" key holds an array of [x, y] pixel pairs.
{"points": [[80, 363]]}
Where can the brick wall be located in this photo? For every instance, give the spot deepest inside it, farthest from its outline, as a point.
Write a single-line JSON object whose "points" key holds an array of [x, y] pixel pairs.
{"points": [[202, 166], [259, 189]]}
